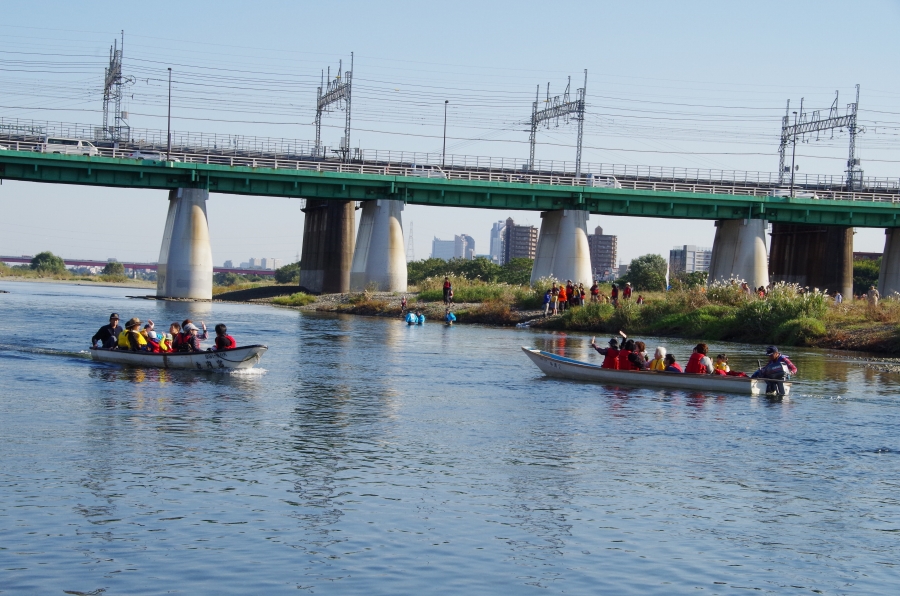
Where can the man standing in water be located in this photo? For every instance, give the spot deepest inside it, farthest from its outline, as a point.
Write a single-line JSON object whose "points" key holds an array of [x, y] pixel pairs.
{"points": [[108, 334], [778, 369]]}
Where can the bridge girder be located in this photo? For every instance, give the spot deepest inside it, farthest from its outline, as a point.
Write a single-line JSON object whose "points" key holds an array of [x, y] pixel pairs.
{"points": [[241, 180]]}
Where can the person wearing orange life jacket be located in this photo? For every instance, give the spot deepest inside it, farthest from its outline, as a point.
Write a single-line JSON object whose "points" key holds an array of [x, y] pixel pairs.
{"points": [[223, 340], [699, 363], [610, 354]]}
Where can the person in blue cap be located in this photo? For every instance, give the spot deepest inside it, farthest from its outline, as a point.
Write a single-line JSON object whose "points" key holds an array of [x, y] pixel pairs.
{"points": [[778, 369]]}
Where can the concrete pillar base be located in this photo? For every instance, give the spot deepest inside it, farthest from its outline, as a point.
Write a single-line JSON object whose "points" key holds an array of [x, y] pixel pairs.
{"points": [[813, 256], [379, 260], [327, 246], [889, 277], [739, 252], [185, 267], [562, 251]]}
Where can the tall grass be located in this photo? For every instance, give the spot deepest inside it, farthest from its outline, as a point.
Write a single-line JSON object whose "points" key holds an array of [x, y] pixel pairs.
{"points": [[789, 314], [298, 299]]}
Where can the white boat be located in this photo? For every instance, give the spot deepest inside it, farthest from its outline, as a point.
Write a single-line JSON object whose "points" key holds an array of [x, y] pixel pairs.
{"points": [[568, 368], [244, 357]]}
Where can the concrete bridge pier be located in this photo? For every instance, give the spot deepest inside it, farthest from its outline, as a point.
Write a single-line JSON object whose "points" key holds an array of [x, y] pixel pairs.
{"points": [[813, 256], [379, 259], [327, 246], [562, 251], [185, 267], [889, 276], [739, 252]]}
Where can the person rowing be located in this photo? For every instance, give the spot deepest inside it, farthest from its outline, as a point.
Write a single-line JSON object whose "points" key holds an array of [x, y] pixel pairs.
{"points": [[778, 369], [108, 335]]}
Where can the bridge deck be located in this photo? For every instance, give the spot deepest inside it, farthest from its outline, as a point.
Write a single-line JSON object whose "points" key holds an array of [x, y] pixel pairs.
{"points": [[323, 179]]}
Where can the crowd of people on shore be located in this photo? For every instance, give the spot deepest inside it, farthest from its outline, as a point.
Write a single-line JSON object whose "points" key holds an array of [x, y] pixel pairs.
{"points": [[183, 337], [632, 355], [560, 297]]}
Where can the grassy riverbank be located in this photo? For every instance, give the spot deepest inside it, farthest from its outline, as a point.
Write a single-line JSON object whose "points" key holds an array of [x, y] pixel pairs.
{"points": [[787, 316]]}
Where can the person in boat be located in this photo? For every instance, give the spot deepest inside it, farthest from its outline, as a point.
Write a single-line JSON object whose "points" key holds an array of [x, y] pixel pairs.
{"points": [[721, 366], [108, 335], [175, 334], [152, 338], [640, 348], [610, 354], [223, 340], [412, 318], [627, 348], [189, 339], [203, 335], [131, 339], [699, 363], [449, 318], [776, 371], [637, 362], [671, 365], [658, 363]]}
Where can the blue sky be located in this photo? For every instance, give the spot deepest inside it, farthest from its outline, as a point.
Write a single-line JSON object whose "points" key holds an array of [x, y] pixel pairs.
{"points": [[692, 84]]}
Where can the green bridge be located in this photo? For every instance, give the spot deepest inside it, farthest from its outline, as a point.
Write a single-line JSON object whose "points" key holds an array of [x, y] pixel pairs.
{"points": [[456, 188]]}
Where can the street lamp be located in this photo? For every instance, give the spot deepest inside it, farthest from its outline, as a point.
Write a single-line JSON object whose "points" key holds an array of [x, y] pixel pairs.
{"points": [[169, 125], [793, 154], [444, 151]]}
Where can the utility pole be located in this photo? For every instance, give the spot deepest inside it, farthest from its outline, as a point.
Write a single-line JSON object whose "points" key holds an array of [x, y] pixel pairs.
{"points": [[169, 124], [444, 151], [555, 108], [335, 91], [794, 153]]}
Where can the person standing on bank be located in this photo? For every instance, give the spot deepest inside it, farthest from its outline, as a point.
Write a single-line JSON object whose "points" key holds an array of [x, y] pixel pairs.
{"points": [[108, 335], [448, 290]]}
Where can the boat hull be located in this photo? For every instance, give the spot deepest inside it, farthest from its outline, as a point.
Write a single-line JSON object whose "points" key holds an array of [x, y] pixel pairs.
{"points": [[236, 358], [567, 368]]}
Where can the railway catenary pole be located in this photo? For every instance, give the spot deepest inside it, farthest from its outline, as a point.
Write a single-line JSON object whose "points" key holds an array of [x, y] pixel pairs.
{"points": [[169, 122]]}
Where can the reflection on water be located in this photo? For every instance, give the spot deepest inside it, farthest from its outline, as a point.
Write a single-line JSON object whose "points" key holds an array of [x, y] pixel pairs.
{"points": [[372, 457]]}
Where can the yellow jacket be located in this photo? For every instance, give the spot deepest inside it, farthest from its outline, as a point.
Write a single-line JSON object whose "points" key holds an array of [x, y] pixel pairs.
{"points": [[123, 340], [657, 364]]}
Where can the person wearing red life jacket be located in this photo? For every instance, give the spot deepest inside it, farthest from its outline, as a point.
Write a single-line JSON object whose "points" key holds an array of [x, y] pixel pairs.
{"points": [[223, 340], [699, 363], [610, 354], [671, 365], [624, 362]]}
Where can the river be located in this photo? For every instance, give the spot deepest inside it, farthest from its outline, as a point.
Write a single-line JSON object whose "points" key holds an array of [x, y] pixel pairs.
{"points": [[370, 457]]}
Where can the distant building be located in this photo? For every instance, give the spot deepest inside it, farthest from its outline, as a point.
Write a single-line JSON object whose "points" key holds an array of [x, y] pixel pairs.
{"points": [[604, 254], [496, 247], [688, 259], [270, 263], [622, 270], [518, 242], [228, 265], [254, 263], [461, 247], [443, 249]]}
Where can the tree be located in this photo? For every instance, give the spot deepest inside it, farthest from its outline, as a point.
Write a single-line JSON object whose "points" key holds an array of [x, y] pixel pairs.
{"points": [[865, 275], [114, 268], [478, 268], [517, 271], [47, 262], [288, 274], [684, 280], [647, 273], [226, 279]]}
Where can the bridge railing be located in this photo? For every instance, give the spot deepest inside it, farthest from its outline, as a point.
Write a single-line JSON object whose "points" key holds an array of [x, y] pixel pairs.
{"points": [[241, 150]]}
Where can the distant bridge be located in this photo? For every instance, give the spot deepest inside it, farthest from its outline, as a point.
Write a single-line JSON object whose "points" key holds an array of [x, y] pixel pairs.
{"points": [[139, 266]]}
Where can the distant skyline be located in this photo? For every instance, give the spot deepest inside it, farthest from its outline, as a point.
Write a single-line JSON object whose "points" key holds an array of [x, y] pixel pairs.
{"points": [[699, 85]]}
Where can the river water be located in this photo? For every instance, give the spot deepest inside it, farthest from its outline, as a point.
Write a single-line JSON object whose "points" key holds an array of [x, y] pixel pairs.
{"points": [[370, 457]]}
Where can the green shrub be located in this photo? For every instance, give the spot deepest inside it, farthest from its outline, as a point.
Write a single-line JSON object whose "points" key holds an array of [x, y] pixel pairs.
{"points": [[48, 263], [114, 278], [289, 274], [114, 268], [798, 332], [298, 299]]}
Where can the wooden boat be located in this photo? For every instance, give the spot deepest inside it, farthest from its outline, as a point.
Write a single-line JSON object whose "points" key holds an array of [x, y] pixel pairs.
{"points": [[567, 368], [235, 358]]}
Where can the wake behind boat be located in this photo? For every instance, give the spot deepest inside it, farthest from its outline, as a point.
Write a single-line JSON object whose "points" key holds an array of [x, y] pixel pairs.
{"points": [[568, 368], [234, 358]]}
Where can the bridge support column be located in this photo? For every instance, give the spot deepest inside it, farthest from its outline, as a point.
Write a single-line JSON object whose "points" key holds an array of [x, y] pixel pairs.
{"points": [[327, 246], [379, 258], [562, 251], [739, 252], [813, 256], [889, 276], [185, 267]]}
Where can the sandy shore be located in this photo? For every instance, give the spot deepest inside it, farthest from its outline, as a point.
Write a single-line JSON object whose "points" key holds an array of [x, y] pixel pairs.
{"points": [[137, 284]]}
